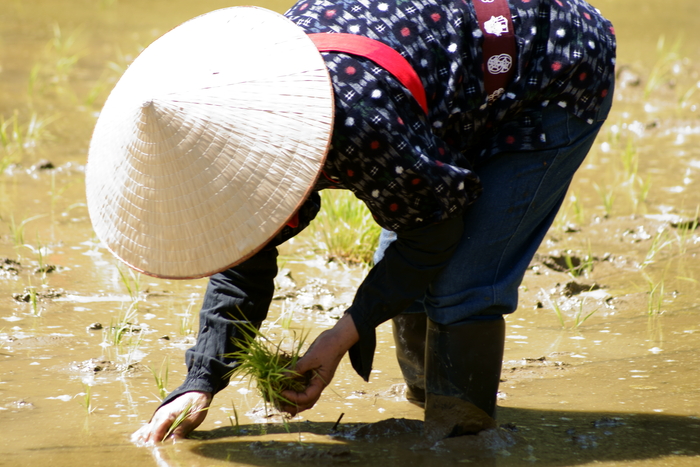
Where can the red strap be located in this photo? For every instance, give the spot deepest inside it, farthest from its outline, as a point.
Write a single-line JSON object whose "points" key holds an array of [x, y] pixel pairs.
{"points": [[379, 53], [499, 47]]}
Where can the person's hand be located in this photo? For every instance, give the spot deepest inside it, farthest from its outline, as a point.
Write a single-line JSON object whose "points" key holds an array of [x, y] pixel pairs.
{"points": [[321, 360], [195, 403]]}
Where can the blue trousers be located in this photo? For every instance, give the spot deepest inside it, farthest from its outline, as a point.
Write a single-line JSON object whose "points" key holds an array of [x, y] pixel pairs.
{"points": [[523, 191]]}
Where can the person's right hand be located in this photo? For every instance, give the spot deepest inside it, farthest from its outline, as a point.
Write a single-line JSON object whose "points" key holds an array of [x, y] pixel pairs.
{"points": [[155, 431]]}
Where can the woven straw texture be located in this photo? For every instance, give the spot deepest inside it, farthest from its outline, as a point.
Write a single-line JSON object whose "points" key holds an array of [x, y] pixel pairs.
{"points": [[209, 143]]}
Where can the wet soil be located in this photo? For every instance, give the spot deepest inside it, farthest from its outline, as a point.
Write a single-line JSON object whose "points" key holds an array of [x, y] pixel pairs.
{"points": [[602, 362]]}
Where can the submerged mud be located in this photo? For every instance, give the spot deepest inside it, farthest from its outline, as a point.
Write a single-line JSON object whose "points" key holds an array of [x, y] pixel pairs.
{"points": [[602, 361]]}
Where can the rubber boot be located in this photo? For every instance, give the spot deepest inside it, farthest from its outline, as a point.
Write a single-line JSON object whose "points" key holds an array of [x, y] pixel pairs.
{"points": [[462, 371], [409, 337]]}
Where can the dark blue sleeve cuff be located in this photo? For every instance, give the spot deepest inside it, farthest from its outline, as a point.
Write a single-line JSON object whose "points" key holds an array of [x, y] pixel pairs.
{"points": [[402, 276]]}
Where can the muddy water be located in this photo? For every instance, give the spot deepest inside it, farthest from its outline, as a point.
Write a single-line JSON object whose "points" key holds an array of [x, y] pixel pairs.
{"points": [[602, 359]]}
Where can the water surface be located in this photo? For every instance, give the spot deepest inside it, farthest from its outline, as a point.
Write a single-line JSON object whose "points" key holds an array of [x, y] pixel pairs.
{"points": [[601, 361]]}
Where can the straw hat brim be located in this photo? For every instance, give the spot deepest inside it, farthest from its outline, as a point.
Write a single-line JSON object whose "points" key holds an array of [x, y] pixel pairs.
{"points": [[209, 143]]}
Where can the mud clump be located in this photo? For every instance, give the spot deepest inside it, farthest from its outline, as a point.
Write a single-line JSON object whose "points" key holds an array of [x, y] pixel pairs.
{"points": [[26, 295], [43, 164], [96, 365], [46, 269], [384, 428], [576, 288], [9, 267], [301, 452]]}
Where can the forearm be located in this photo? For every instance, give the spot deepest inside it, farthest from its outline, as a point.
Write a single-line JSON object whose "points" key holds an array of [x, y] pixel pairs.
{"points": [[235, 297], [402, 276]]}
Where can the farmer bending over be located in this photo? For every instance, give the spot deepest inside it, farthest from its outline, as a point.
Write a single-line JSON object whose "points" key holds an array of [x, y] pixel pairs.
{"points": [[459, 124]]}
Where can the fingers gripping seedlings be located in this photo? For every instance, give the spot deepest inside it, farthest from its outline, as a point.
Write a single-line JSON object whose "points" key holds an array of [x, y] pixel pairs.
{"points": [[188, 411]]}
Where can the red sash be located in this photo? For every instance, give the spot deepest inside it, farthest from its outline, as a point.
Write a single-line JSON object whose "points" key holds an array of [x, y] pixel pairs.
{"points": [[379, 53]]}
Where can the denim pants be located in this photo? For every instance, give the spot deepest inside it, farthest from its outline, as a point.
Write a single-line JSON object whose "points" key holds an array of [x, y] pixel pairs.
{"points": [[523, 190]]}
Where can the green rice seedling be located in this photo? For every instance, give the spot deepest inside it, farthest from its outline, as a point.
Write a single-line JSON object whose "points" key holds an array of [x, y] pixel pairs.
{"points": [[97, 91], [33, 301], [133, 343], [573, 270], [580, 317], [9, 149], [286, 316], [655, 296], [35, 131], [607, 195], [60, 56], [188, 410], [62, 48], [346, 228], [186, 327], [161, 378], [235, 423], [657, 244], [563, 220], [6, 160], [577, 268], [17, 230], [121, 62], [630, 161], [685, 230], [132, 282], [33, 79], [40, 254], [588, 259], [644, 186], [86, 401], [577, 206], [685, 97], [555, 306], [10, 134], [116, 331], [271, 367], [55, 193], [662, 71], [17, 137]]}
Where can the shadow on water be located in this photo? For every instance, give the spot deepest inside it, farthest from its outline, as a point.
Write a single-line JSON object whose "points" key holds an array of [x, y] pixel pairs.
{"points": [[545, 438]]}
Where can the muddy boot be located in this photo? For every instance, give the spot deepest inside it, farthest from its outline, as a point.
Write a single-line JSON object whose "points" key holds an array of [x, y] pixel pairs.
{"points": [[462, 372], [409, 336]]}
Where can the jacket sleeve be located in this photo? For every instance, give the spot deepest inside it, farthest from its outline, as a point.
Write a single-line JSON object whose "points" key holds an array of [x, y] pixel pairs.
{"points": [[409, 265], [241, 294]]}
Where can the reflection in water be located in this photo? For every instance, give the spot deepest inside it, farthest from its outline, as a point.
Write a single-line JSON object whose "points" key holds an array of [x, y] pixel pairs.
{"points": [[602, 358]]}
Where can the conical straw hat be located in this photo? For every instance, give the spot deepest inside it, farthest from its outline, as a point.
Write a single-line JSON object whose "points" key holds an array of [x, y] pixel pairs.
{"points": [[209, 143]]}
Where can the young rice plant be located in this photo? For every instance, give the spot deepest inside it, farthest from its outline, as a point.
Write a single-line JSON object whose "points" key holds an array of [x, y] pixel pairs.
{"points": [[271, 367]]}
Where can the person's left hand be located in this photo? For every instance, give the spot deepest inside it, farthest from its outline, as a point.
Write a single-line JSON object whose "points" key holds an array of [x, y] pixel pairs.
{"points": [[321, 360]]}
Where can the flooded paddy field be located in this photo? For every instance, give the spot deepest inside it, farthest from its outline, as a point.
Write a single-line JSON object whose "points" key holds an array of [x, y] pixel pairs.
{"points": [[602, 362]]}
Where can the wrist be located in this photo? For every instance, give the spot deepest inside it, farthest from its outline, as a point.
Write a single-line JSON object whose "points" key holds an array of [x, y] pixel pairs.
{"points": [[345, 333]]}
